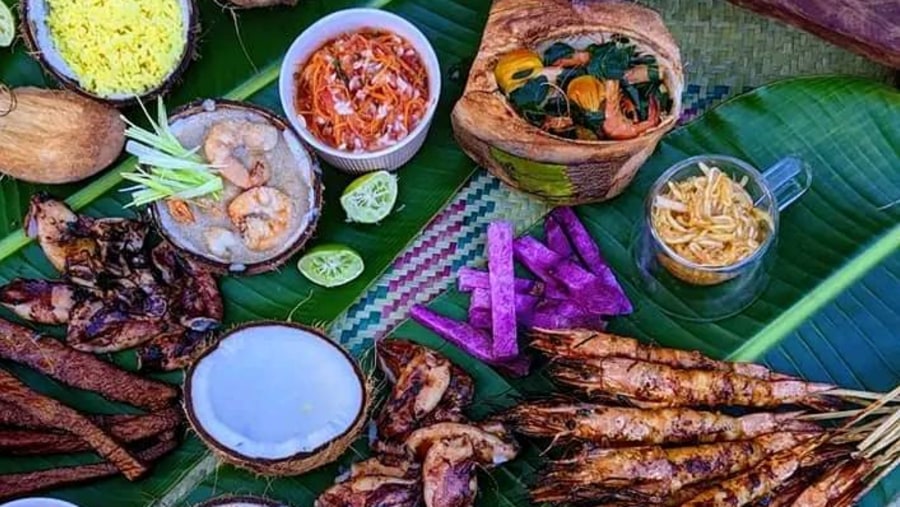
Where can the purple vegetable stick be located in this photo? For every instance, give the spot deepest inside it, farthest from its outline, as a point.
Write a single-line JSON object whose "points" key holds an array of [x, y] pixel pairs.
{"points": [[473, 341], [593, 293], [480, 305], [503, 290], [587, 248], [556, 238], [471, 279]]}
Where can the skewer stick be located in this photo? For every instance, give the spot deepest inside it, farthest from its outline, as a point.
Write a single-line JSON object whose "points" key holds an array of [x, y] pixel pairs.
{"points": [[827, 416], [865, 395], [874, 406], [889, 427]]}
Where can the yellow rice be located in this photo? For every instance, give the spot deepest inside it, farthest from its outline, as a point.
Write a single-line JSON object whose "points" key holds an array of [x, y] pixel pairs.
{"points": [[118, 46]]}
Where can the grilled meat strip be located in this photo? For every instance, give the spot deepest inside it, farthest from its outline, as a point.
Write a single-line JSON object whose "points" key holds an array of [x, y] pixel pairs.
{"points": [[58, 230], [100, 325], [394, 355], [418, 391], [657, 385], [40, 301], [78, 369], [448, 474], [588, 344], [15, 485], [492, 442], [372, 491], [58, 416], [195, 293], [174, 350], [128, 429]]}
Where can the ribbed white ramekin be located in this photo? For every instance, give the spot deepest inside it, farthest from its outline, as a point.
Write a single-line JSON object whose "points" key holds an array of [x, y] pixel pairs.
{"points": [[330, 27]]}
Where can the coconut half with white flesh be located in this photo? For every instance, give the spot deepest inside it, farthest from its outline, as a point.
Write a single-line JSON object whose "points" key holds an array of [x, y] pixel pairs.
{"points": [[232, 234], [241, 501], [277, 399]]}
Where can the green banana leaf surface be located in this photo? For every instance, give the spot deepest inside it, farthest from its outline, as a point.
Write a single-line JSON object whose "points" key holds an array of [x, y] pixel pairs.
{"points": [[845, 128]]}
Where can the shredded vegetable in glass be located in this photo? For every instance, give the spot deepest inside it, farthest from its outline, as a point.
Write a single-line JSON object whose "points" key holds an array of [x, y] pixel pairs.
{"points": [[710, 219], [363, 91]]}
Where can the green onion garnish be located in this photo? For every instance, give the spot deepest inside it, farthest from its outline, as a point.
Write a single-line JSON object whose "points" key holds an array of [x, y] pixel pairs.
{"points": [[166, 169]]}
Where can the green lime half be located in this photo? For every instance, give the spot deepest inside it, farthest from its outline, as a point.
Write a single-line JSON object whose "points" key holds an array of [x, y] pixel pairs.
{"points": [[331, 265], [7, 25], [370, 198]]}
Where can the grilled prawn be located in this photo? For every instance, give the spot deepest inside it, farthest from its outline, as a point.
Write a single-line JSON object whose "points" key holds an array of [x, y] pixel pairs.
{"points": [[752, 485], [653, 472], [607, 425], [588, 344], [657, 385], [844, 481]]}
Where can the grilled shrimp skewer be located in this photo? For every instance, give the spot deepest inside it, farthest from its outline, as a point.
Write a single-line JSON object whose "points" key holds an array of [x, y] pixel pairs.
{"points": [[608, 425], [657, 385], [641, 472], [588, 344], [748, 487], [836, 484]]}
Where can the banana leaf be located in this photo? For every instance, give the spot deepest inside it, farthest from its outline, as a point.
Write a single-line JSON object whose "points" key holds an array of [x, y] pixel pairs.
{"points": [[836, 234], [844, 127]]}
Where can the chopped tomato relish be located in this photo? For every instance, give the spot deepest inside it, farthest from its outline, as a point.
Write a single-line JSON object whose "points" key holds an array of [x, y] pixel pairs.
{"points": [[363, 91]]}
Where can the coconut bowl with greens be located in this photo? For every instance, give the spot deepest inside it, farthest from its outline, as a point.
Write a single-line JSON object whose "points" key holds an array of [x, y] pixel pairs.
{"points": [[566, 100]]}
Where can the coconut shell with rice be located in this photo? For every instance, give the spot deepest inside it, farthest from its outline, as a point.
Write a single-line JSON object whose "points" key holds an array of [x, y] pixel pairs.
{"points": [[231, 404], [35, 33], [56, 136], [559, 170]]}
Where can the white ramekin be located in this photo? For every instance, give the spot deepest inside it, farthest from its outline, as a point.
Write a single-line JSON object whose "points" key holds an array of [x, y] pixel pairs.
{"points": [[330, 27]]}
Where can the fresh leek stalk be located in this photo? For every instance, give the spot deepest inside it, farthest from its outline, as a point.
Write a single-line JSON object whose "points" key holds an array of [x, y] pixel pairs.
{"points": [[166, 169]]}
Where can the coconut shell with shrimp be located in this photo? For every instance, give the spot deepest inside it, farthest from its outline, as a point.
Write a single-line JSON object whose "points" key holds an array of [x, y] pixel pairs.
{"points": [[272, 196], [56, 136], [277, 399]]}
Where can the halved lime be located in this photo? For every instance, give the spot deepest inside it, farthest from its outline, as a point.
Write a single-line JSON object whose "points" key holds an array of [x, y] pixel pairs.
{"points": [[370, 198], [331, 265], [7, 25]]}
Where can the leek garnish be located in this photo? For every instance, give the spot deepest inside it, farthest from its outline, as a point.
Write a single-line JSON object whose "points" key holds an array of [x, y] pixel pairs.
{"points": [[166, 169]]}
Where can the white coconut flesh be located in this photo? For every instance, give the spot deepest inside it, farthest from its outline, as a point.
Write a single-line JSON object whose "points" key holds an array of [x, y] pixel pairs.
{"points": [[273, 392]]}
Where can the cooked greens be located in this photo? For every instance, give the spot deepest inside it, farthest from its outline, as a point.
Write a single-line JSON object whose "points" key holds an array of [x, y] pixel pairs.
{"points": [[603, 91]]}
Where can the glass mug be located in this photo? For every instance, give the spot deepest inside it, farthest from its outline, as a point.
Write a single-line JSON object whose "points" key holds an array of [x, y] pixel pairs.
{"points": [[696, 292]]}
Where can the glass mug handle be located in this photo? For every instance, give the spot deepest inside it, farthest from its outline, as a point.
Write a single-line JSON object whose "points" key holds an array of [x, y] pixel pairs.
{"points": [[788, 179]]}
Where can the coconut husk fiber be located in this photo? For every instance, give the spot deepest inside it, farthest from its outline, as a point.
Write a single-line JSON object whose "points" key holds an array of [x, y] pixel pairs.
{"points": [[560, 171]]}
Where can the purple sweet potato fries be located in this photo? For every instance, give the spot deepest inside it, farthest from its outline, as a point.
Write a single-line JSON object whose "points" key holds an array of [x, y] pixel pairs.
{"points": [[574, 288]]}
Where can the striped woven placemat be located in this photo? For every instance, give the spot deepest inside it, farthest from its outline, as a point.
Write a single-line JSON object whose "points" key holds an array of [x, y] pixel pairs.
{"points": [[726, 51]]}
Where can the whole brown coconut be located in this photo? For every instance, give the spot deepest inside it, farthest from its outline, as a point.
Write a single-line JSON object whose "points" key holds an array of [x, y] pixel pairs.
{"points": [[56, 136]]}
